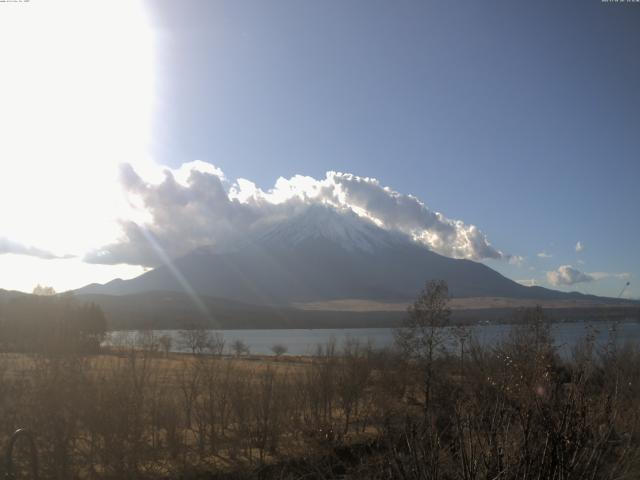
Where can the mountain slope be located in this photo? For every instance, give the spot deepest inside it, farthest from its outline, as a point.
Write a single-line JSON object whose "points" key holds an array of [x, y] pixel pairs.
{"points": [[322, 254]]}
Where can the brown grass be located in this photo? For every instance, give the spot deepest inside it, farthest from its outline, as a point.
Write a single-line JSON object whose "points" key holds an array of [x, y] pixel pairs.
{"points": [[516, 411]]}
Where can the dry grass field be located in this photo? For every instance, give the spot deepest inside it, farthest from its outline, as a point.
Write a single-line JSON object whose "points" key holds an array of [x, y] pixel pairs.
{"points": [[516, 410]]}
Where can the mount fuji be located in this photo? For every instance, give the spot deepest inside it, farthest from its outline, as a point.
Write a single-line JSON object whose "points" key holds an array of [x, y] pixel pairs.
{"points": [[321, 254]]}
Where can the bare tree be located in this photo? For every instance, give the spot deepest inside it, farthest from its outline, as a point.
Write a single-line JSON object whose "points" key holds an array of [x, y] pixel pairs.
{"points": [[216, 344], [165, 342], [197, 340], [239, 348], [352, 378], [279, 349], [43, 290], [421, 335], [147, 341]]}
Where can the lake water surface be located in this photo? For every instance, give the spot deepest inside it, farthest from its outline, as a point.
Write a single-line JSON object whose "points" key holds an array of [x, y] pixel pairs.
{"points": [[305, 342]]}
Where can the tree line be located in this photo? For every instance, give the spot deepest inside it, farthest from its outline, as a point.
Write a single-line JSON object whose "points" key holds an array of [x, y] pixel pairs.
{"points": [[48, 323]]}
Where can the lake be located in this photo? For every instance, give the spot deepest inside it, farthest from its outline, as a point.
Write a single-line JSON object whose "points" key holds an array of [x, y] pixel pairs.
{"points": [[305, 341]]}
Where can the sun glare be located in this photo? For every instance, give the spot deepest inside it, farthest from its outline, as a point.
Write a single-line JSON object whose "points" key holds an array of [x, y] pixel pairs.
{"points": [[76, 101], [76, 98]]}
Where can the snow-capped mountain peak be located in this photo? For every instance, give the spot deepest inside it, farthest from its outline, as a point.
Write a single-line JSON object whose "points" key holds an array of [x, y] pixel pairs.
{"points": [[342, 227]]}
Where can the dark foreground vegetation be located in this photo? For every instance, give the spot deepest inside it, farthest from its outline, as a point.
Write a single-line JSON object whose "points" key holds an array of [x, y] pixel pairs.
{"points": [[51, 324], [422, 411]]}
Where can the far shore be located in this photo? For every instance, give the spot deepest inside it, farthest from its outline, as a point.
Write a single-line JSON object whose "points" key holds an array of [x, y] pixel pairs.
{"points": [[469, 303]]}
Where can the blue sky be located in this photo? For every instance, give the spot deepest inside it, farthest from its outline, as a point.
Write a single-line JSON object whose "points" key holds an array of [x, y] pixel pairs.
{"points": [[521, 118]]}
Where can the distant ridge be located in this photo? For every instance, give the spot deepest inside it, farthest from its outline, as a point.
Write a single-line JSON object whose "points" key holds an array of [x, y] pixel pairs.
{"points": [[9, 294]]}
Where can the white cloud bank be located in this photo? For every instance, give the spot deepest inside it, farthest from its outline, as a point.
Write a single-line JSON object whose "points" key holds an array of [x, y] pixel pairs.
{"points": [[196, 206], [568, 275]]}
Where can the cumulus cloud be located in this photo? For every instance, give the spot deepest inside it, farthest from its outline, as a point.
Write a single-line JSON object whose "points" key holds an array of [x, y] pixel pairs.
{"points": [[196, 206], [10, 246], [579, 247], [568, 275], [544, 254]]}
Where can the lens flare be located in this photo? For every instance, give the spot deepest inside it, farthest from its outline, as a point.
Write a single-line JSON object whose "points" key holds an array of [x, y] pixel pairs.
{"points": [[76, 101]]}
